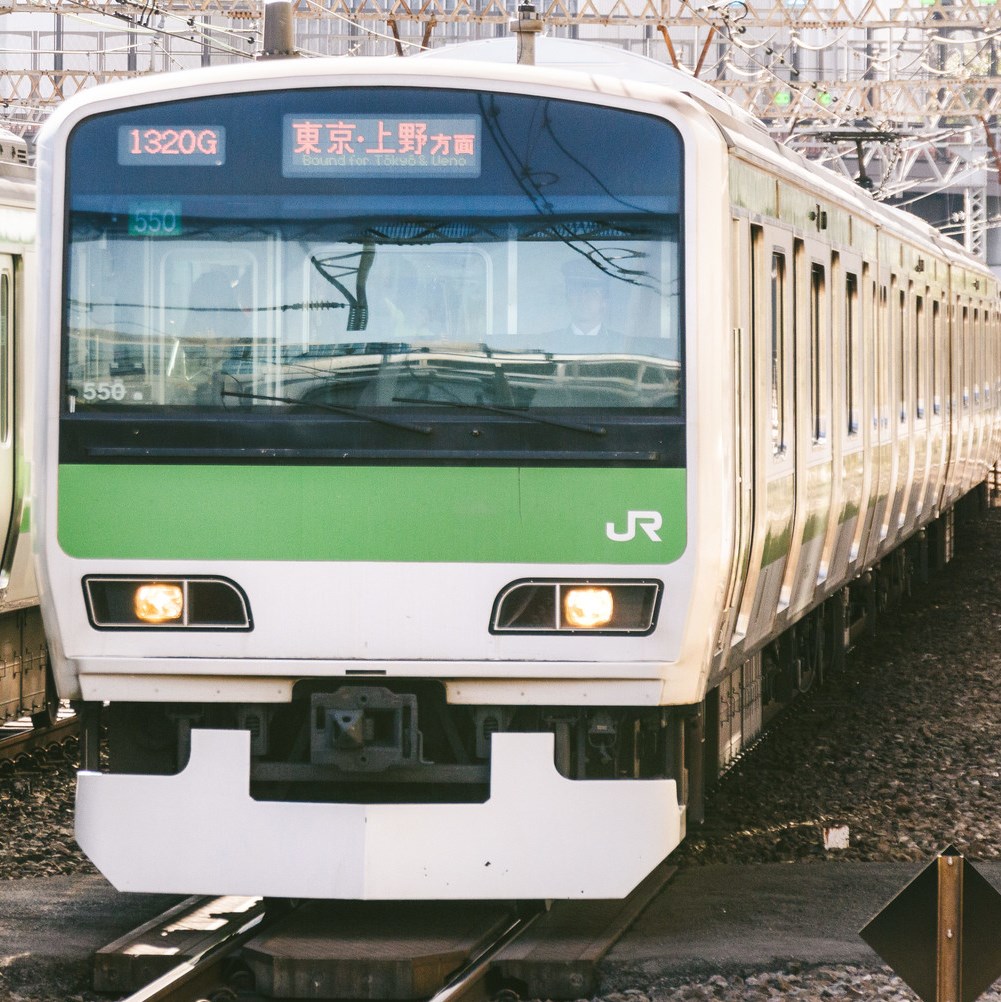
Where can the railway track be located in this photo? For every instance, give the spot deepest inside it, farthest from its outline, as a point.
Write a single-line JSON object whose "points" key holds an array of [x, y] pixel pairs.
{"points": [[215, 968], [206, 972], [469, 984], [21, 738], [371, 951]]}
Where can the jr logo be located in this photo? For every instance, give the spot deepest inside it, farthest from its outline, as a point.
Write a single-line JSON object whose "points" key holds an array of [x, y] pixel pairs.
{"points": [[648, 521]]}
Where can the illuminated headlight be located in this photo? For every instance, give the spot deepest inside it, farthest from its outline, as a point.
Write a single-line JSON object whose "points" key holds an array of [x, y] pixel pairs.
{"points": [[166, 603], [158, 603], [588, 608], [577, 607]]}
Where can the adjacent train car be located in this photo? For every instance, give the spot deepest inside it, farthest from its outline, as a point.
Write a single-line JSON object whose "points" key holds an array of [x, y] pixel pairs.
{"points": [[26, 687], [445, 465]]}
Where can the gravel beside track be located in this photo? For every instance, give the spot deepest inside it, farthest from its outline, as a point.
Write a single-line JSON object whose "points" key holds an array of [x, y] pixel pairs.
{"points": [[902, 747], [36, 815], [805, 984]]}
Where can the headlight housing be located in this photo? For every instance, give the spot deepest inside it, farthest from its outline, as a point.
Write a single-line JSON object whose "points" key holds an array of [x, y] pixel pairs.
{"points": [[584, 606], [166, 603]]}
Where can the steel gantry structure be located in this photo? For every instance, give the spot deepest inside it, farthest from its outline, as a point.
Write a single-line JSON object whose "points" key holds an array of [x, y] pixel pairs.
{"points": [[904, 96]]}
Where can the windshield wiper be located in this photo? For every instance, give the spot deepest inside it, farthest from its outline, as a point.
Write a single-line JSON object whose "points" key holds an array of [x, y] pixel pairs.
{"points": [[350, 411], [588, 429]]}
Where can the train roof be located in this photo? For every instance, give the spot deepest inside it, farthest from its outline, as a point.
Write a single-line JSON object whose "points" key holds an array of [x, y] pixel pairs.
{"points": [[741, 129], [594, 57], [16, 177], [605, 69]]}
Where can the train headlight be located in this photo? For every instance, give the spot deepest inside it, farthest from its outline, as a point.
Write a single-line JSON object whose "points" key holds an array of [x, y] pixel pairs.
{"points": [[580, 607], [588, 608], [166, 603], [158, 603]]}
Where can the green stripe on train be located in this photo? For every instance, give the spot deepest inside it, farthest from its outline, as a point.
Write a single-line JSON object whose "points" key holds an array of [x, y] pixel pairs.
{"points": [[512, 515]]}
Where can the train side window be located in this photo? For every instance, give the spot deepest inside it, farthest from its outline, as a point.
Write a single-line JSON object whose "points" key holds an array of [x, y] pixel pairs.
{"points": [[919, 356], [981, 354], [990, 345], [971, 354], [982, 371], [975, 361], [964, 340], [851, 353], [996, 341], [778, 352], [882, 398], [995, 359], [992, 354], [902, 353], [936, 336], [818, 297], [5, 317], [869, 344]]}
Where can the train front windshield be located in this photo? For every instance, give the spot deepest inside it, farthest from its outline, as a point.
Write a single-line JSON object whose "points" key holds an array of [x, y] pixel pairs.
{"points": [[327, 270]]}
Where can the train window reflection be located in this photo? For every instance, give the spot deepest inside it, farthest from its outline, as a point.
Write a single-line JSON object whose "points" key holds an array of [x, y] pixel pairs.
{"points": [[552, 279], [266, 316]]}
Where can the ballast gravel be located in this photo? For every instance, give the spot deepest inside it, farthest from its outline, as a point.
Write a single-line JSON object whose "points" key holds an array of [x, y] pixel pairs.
{"points": [[804, 984], [900, 752], [36, 816]]}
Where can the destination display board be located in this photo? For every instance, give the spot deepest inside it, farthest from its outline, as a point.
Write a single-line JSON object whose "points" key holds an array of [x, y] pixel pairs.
{"points": [[384, 146]]}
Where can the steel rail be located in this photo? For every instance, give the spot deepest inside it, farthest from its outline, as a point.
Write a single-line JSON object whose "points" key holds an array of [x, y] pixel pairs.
{"points": [[202, 973], [192, 979], [468, 984]]}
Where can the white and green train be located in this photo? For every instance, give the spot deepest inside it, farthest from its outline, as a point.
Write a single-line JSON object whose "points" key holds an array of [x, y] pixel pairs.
{"points": [[445, 464]]}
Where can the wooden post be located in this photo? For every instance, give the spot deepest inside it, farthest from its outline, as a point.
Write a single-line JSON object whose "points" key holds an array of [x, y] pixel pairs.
{"points": [[950, 928]]}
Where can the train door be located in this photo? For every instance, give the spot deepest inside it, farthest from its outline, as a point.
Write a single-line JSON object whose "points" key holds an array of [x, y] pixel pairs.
{"points": [[937, 439], [847, 490], [972, 471], [747, 252], [813, 427], [991, 378], [7, 450], [837, 485], [11, 703], [892, 413], [868, 413], [899, 414], [916, 398], [978, 451], [954, 408], [774, 423], [963, 396], [881, 425]]}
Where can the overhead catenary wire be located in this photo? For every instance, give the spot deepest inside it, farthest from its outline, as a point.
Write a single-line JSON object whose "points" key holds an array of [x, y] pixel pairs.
{"points": [[220, 39], [369, 31], [945, 47]]}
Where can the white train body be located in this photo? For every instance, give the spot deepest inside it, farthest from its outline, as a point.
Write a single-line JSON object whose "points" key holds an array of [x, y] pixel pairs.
{"points": [[25, 685], [366, 495]]}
